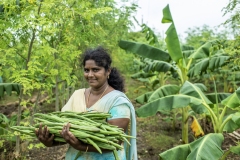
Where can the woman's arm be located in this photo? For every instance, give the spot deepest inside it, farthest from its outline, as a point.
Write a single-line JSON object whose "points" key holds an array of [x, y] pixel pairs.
{"points": [[120, 122]]}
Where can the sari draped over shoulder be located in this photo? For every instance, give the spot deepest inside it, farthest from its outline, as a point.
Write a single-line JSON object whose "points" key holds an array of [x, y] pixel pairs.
{"points": [[77, 103]]}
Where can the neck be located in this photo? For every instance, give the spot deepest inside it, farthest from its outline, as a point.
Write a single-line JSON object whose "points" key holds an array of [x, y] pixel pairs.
{"points": [[97, 91], [102, 93]]}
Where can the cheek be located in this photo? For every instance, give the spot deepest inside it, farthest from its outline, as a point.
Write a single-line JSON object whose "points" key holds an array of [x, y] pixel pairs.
{"points": [[85, 75]]}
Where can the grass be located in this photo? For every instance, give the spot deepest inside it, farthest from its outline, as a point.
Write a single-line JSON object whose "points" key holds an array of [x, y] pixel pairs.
{"points": [[134, 88], [6, 99]]}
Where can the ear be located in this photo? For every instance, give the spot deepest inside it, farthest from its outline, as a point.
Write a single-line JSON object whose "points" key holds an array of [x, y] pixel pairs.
{"points": [[109, 71]]}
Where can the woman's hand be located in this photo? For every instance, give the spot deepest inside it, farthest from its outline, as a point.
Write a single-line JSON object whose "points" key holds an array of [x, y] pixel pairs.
{"points": [[70, 138], [44, 136]]}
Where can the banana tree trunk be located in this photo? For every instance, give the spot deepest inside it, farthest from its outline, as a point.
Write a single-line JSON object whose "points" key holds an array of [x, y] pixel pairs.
{"points": [[161, 78], [185, 125], [225, 84]]}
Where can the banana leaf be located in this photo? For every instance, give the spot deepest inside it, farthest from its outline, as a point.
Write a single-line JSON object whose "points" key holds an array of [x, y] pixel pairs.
{"points": [[142, 75], [205, 60], [206, 147], [235, 149], [172, 40], [191, 89], [144, 50], [176, 153], [9, 88], [143, 98], [220, 96], [163, 91], [168, 103], [159, 66], [233, 101], [233, 124]]}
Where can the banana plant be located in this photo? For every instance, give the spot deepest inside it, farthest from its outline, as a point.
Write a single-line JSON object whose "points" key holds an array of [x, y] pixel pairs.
{"points": [[209, 56], [8, 88], [210, 144], [155, 72]]}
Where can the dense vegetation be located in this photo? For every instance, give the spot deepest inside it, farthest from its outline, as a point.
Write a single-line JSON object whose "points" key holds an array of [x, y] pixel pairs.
{"points": [[190, 81]]}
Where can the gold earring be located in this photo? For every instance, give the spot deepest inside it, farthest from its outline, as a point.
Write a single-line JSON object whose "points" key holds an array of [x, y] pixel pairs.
{"points": [[108, 76]]}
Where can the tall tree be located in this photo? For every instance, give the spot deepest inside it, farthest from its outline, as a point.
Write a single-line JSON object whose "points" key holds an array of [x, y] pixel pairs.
{"points": [[197, 36], [40, 41]]}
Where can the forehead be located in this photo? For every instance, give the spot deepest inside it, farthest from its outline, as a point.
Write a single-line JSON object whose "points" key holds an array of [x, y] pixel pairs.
{"points": [[91, 63]]}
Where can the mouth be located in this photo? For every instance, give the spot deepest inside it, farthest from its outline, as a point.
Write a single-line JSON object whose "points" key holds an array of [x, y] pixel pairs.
{"points": [[91, 80]]}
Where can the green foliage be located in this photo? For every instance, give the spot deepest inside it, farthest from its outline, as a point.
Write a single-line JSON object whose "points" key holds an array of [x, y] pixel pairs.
{"points": [[233, 9], [207, 147], [40, 41], [188, 63], [197, 36], [9, 88]]}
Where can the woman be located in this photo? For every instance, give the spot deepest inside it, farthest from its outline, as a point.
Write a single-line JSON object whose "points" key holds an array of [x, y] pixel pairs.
{"points": [[105, 94]]}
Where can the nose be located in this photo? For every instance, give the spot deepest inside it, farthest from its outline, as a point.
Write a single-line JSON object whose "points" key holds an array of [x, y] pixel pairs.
{"points": [[90, 73]]}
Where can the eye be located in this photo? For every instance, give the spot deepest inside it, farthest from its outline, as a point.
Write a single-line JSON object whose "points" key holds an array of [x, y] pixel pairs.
{"points": [[86, 70], [95, 70]]}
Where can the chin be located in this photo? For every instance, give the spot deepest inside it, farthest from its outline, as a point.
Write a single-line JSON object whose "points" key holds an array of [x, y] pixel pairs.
{"points": [[92, 84]]}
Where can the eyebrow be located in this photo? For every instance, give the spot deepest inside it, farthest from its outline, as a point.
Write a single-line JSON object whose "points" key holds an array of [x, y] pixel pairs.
{"points": [[92, 68]]}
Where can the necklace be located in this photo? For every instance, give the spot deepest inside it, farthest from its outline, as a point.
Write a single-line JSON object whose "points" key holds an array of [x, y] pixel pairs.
{"points": [[99, 97]]}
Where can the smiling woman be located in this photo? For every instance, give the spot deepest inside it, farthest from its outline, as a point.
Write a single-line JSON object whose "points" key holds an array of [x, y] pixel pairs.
{"points": [[105, 94]]}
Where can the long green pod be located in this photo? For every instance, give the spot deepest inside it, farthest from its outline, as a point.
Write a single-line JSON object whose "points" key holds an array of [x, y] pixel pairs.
{"points": [[109, 132], [49, 124], [127, 136], [96, 134], [26, 132], [112, 128], [87, 128], [24, 127], [78, 116], [115, 144], [105, 146], [59, 139], [126, 140], [77, 121], [41, 120], [115, 153], [49, 117], [80, 134], [102, 127], [94, 145]]}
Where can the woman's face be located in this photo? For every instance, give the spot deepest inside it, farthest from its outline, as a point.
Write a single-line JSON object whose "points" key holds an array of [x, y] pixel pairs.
{"points": [[96, 76]]}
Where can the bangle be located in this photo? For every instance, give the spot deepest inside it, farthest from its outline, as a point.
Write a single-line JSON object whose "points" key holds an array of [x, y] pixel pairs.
{"points": [[86, 149]]}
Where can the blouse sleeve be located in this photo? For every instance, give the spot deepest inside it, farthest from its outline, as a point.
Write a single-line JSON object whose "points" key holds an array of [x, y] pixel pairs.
{"points": [[119, 110], [68, 105]]}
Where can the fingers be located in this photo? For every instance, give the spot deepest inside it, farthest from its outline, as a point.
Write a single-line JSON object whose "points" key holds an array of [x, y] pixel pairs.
{"points": [[51, 138], [68, 126], [42, 133], [36, 132], [40, 128], [67, 135], [46, 131]]}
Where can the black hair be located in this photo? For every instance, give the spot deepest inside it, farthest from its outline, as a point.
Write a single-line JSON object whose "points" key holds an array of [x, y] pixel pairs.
{"points": [[103, 59]]}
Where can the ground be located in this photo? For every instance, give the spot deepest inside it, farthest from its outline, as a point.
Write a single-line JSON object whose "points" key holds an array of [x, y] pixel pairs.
{"points": [[155, 135]]}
